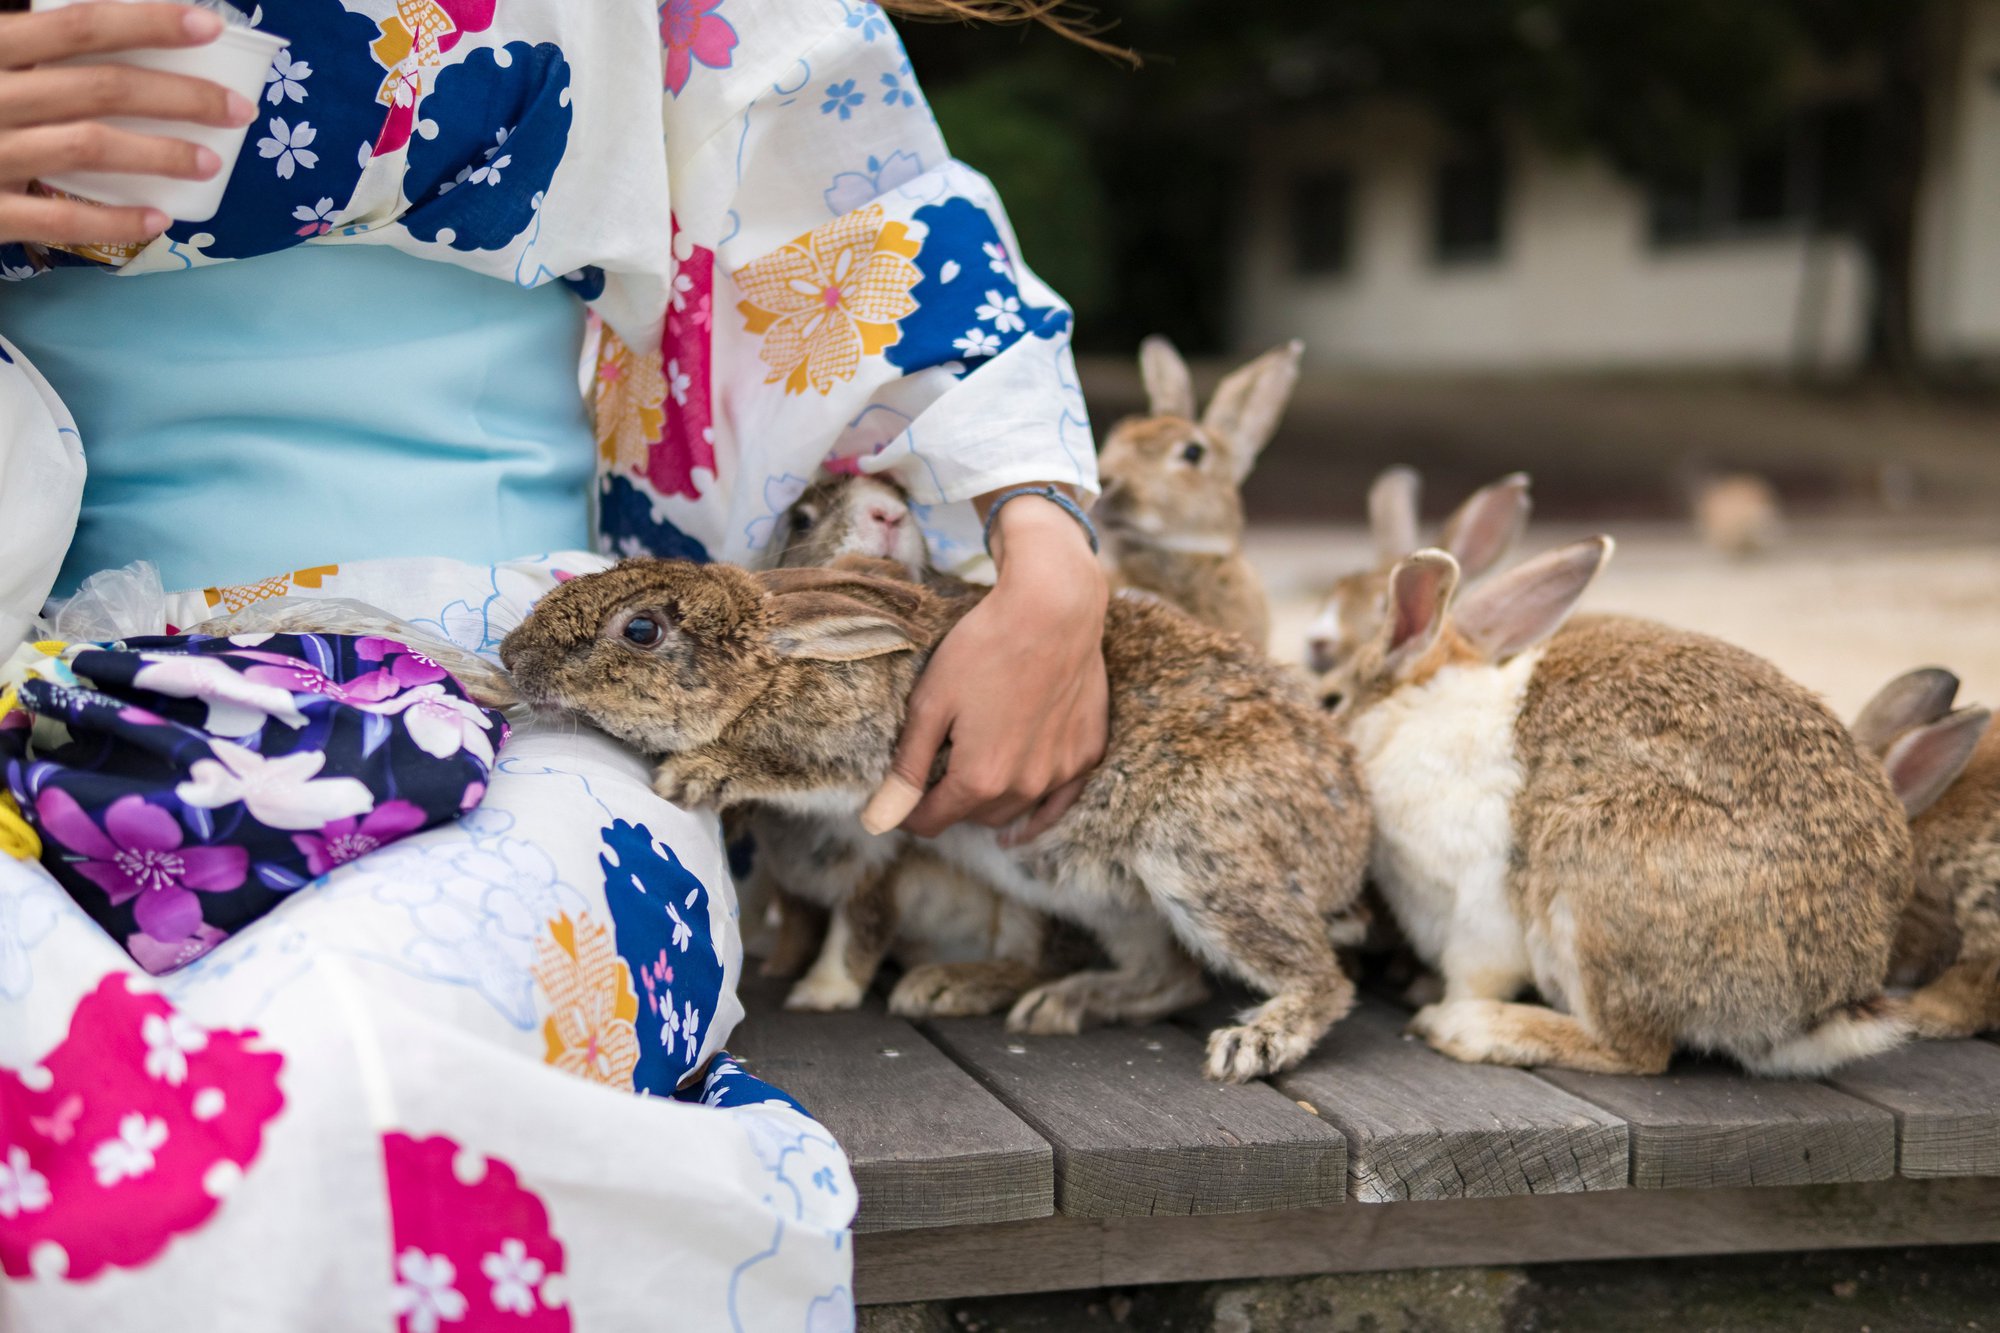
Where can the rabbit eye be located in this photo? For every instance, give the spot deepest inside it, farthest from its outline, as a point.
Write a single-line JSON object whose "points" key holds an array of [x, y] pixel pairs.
{"points": [[802, 519], [1193, 452], [644, 631]]}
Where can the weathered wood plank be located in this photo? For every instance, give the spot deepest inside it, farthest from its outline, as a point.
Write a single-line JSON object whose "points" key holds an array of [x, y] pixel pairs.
{"points": [[929, 1146], [1059, 1253], [1946, 1099], [1420, 1125], [1137, 1130], [1709, 1125]]}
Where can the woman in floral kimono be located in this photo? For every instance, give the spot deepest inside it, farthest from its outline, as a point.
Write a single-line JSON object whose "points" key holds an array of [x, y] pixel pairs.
{"points": [[402, 1096]]}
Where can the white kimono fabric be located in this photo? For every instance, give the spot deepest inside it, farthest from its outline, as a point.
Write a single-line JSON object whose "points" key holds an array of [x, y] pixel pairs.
{"points": [[404, 1099]]}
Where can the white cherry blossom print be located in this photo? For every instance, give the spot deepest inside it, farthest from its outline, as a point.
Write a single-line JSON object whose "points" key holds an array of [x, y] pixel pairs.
{"points": [[424, 1293], [22, 1188], [130, 1155], [515, 1274], [286, 79], [288, 144], [1003, 312], [283, 792], [170, 1040], [977, 342]]}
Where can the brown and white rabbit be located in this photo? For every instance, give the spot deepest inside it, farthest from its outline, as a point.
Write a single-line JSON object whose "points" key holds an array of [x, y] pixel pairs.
{"points": [[1944, 763], [1675, 844], [1171, 509], [1478, 533], [965, 948], [1226, 820]]}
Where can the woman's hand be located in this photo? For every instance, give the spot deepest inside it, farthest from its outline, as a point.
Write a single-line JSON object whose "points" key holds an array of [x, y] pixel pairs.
{"points": [[1018, 686], [51, 120]]}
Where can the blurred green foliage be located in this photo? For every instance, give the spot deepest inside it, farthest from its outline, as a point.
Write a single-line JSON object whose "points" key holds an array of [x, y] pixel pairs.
{"points": [[1125, 185]]}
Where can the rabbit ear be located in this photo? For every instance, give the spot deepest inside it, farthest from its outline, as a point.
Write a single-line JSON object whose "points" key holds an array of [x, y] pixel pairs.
{"points": [[862, 577], [1169, 384], [1913, 699], [1924, 763], [1530, 601], [1249, 403], [1392, 514], [830, 627], [1420, 588], [1490, 521]]}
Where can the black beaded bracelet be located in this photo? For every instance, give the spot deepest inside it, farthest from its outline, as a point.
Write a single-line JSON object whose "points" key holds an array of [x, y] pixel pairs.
{"points": [[1068, 506]]}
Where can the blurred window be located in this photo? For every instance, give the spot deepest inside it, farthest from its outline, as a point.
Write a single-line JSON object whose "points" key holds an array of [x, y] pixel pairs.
{"points": [[1322, 217], [1807, 171], [1468, 208]]}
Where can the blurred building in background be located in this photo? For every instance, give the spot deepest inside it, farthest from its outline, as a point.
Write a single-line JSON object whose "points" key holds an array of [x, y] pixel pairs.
{"points": [[1390, 240]]}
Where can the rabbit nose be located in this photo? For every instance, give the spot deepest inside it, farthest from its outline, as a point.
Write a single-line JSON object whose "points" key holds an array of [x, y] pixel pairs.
{"points": [[886, 516]]}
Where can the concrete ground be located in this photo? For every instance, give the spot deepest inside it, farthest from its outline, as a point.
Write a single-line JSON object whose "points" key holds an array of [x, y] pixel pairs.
{"points": [[1859, 1291], [1843, 605]]}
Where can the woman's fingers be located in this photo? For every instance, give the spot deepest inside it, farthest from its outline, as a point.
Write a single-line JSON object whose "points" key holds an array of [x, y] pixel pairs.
{"points": [[92, 92], [92, 29], [69, 222], [47, 150]]}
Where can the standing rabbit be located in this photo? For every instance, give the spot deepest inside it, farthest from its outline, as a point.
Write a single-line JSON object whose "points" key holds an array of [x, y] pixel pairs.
{"points": [[1172, 508], [1478, 533], [1945, 766], [1225, 822], [965, 948], [1676, 845]]}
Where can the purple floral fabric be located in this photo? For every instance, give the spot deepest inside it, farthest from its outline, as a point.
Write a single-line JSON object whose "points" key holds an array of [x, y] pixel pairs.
{"points": [[185, 785]]}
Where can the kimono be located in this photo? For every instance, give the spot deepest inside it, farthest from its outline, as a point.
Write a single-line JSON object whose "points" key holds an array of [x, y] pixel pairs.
{"points": [[473, 1075]]}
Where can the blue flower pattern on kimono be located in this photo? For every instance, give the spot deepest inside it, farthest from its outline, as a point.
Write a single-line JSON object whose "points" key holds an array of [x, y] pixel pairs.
{"points": [[502, 120], [311, 144], [727, 1085], [969, 306], [626, 510], [661, 915]]}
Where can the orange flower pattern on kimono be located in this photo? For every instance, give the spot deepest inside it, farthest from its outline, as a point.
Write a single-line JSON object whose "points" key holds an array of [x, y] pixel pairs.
{"points": [[827, 299], [592, 1005], [631, 402]]}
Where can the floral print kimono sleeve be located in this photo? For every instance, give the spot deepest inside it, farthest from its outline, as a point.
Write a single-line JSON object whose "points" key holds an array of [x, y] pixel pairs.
{"points": [[843, 294]]}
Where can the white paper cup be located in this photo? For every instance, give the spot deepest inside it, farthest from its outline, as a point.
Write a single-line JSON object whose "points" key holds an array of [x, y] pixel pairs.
{"points": [[239, 60]]}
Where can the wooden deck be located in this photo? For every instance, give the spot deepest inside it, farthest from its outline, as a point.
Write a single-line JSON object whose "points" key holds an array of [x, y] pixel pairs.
{"points": [[993, 1163]]}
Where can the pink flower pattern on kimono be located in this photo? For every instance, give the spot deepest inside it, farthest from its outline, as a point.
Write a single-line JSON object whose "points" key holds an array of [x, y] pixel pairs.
{"points": [[412, 51], [405, 663], [473, 1249], [441, 724], [691, 30], [130, 1132], [346, 839], [301, 677], [688, 441], [282, 792], [139, 854]]}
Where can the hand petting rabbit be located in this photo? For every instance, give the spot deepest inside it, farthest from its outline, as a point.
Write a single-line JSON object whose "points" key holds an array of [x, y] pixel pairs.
{"points": [[1477, 535], [1171, 510], [1944, 764], [1226, 822], [965, 948], [1672, 842]]}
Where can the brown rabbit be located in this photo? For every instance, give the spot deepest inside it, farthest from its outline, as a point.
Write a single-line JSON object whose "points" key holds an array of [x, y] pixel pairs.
{"points": [[1675, 844], [1945, 766], [965, 948], [1171, 509], [1226, 816], [1478, 533]]}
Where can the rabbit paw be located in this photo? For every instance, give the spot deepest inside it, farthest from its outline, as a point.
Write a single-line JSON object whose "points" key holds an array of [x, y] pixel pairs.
{"points": [[1461, 1029], [1055, 1010], [824, 990], [1237, 1055], [689, 788], [944, 990]]}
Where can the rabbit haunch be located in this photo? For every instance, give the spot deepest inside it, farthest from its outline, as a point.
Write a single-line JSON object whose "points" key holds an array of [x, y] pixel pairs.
{"points": [[1944, 764], [1226, 815], [1676, 845]]}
